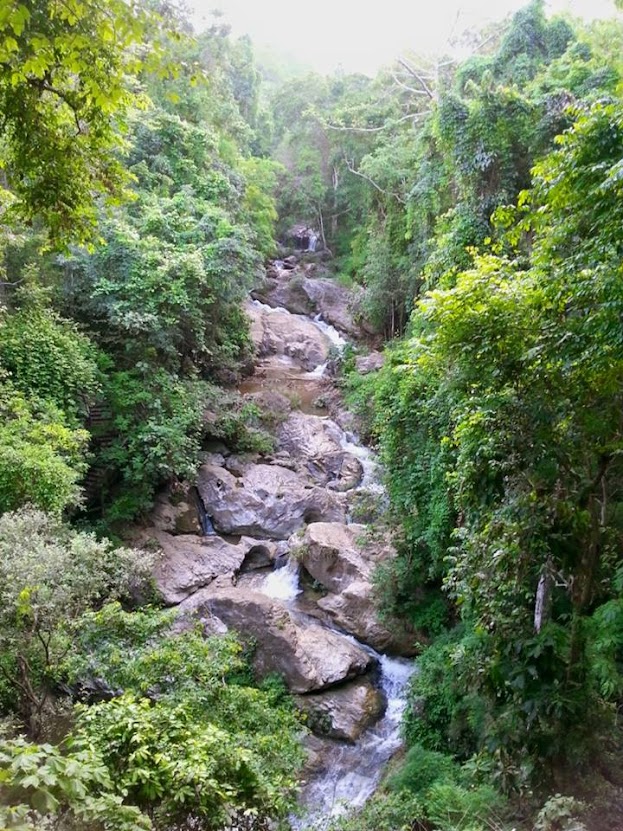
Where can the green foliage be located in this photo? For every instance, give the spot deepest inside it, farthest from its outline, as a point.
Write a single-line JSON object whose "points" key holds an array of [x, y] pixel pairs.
{"points": [[167, 286], [444, 716], [451, 807], [64, 97], [155, 432], [154, 436], [190, 737], [48, 358], [505, 405], [183, 767], [39, 784], [560, 812], [396, 812], [259, 204], [41, 458], [49, 576], [420, 769]]}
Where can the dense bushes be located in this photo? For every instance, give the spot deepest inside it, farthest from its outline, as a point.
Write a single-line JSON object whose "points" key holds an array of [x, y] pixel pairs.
{"points": [[182, 731]]}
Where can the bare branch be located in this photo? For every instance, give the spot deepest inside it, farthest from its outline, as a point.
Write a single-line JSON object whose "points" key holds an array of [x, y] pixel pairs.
{"points": [[418, 76], [408, 88], [371, 181], [353, 129]]}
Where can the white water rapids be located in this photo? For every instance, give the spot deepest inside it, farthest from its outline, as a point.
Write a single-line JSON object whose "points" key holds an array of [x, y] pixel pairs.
{"points": [[355, 770], [351, 772]]}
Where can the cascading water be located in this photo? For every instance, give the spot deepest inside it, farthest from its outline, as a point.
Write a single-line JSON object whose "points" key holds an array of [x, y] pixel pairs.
{"points": [[283, 583], [205, 521], [352, 771], [312, 242], [331, 332], [355, 770]]}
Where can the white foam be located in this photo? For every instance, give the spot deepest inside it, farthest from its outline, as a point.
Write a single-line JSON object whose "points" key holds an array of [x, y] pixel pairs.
{"points": [[283, 583]]}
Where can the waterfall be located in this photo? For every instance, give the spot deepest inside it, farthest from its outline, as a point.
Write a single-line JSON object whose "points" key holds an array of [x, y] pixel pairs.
{"points": [[348, 774], [355, 770], [205, 521], [312, 241], [283, 583], [331, 332]]}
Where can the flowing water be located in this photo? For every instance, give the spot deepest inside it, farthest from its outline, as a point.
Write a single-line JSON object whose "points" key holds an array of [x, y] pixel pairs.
{"points": [[355, 770], [352, 771]]}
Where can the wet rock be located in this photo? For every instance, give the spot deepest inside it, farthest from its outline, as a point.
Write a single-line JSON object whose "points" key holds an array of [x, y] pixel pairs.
{"points": [[309, 436], [238, 464], [316, 442], [265, 501], [354, 610], [320, 753], [365, 364], [335, 303], [273, 404], [344, 712], [333, 554], [188, 563], [176, 512], [288, 293], [341, 559], [342, 471], [301, 294], [261, 555], [308, 656], [213, 459], [280, 333]]}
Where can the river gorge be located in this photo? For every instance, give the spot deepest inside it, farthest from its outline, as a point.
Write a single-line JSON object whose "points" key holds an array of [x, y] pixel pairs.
{"points": [[281, 546]]}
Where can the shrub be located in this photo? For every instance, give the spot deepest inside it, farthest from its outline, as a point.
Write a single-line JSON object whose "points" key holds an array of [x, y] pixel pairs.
{"points": [[422, 768]]}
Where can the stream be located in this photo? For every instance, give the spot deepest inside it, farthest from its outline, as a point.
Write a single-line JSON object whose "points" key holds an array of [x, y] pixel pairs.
{"points": [[354, 770], [274, 545]]}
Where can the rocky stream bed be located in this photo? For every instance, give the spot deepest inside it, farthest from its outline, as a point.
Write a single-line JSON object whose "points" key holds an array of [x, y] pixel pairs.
{"points": [[266, 545]]}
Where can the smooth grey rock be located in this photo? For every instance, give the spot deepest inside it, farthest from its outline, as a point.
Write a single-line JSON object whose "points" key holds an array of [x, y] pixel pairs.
{"points": [[265, 501], [308, 656], [344, 712]]}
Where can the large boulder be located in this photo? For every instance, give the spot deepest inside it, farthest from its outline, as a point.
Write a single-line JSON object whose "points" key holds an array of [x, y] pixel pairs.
{"points": [[307, 655], [342, 559], [277, 332], [316, 442], [282, 290], [265, 501], [188, 563], [334, 554], [335, 303], [309, 436], [344, 712], [354, 610], [176, 512], [300, 293], [365, 364]]}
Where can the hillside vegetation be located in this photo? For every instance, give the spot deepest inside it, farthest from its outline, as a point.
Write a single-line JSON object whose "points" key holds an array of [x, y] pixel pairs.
{"points": [[475, 206]]}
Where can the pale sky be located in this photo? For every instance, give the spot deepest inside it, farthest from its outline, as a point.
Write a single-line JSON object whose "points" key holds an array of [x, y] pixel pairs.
{"points": [[362, 35]]}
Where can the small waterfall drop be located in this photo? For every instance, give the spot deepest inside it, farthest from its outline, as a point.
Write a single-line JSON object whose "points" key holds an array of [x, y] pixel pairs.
{"points": [[312, 242], [331, 332], [356, 770], [283, 583], [205, 521]]}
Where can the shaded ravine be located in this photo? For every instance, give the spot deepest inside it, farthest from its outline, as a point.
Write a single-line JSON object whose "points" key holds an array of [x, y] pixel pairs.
{"points": [[353, 771]]}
